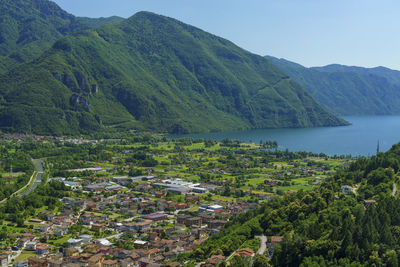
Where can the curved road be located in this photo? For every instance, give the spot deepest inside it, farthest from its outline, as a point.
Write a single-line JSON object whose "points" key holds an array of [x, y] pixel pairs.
{"points": [[263, 246], [38, 178]]}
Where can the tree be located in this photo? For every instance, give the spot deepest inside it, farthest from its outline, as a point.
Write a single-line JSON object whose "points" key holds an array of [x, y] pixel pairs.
{"points": [[260, 261]]}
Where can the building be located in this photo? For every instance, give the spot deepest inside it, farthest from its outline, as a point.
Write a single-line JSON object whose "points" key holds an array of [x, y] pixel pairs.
{"points": [[140, 244], [156, 216], [274, 240], [210, 208], [369, 202], [31, 245], [55, 262], [193, 221], [3, 260], [110, 263], [37, 262], [216, 224], [74, 242], [85, 238], [42, 249], [346, 189], [244, 252], [96, 260]]}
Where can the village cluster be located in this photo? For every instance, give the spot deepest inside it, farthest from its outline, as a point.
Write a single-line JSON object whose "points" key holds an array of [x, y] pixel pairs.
{"points": [[158, 229], [183, 194]]}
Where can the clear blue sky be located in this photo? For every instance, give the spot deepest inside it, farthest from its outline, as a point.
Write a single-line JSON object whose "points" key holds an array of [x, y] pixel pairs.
{"points": [[310, 32]]}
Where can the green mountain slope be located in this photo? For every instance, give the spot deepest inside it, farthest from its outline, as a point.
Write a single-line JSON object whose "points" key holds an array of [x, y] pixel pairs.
{"points": [[325, 227], [29, 27], [152, 72], [100, 21], [348, 90]]}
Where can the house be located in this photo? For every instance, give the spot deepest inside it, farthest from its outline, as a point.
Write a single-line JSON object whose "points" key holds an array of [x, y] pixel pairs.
{"points": [[346, 189], [8, 254], [73, 185], [42, 249], [244, 252], [98, 227], [37, 262], [103, 242], [148, 263], [180, 206], [181, 219], [110, 263], [140, 244], [23, 241], [74, 242], [96, 260], [87, 219], [85, 238], [213, 261], [216, 224], [274, 240], [3, 260], [369, 202], [33, 220], [31, 245], [142, 226], [156, 216], [44, 228], [193, 221], [60, 231], [70, 252], [55, 262]]}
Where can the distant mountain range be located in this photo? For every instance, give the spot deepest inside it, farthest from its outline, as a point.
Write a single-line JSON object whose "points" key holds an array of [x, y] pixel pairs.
{"points": [[348, 90], [73, 75]]}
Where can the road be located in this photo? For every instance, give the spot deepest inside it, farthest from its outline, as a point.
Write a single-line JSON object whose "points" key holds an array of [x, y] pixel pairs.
{"points": [[394, 189], [263, 246], [38, 178]]}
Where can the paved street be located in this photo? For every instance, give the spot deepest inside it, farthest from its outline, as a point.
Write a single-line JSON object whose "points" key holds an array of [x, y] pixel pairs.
{"points": [[38, 178]]}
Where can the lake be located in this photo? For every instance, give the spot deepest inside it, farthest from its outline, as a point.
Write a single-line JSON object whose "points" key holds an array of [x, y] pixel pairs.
{"points": [[360, 138]]}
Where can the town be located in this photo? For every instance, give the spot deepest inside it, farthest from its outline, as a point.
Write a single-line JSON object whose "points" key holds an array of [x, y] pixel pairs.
{"points": [[141, 201]]}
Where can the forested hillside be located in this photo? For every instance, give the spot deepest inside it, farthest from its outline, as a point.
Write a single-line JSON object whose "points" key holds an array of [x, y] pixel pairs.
{"points": [[348, 90], [28, 28], [327, 227], [155, 73]]}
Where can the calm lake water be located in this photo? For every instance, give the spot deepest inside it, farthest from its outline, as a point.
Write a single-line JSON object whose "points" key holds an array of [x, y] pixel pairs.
{"points": [[360, 138]]}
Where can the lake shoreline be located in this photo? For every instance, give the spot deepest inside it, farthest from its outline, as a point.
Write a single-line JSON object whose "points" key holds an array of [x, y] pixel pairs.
{"points": [[358, 139]]}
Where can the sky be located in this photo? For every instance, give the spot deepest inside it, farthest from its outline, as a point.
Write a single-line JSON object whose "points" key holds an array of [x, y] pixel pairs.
{"points": [[309, 32]]}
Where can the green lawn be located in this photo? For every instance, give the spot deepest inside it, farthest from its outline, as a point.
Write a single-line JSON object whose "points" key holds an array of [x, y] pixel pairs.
{"points": [[62, 240], [26, 255]]}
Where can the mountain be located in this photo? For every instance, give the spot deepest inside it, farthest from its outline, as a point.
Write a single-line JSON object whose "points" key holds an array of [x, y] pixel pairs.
{"points": [[95, 22], [29, 27], [156, 73], [348, 90]]}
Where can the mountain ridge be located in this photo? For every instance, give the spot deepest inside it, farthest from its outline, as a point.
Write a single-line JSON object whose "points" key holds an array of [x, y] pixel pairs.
{"points": [[155, 73], [348, 90]]}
